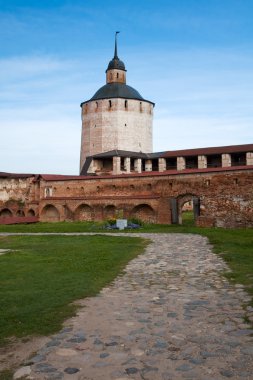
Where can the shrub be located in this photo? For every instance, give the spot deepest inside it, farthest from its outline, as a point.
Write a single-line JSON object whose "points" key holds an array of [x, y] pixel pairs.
{"points": [[111, 222], [136, 221]]}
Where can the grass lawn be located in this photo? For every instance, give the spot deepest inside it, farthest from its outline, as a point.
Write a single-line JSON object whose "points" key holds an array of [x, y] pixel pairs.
{"points": [[44, 274], [72, 267], [54, 227], [187, 218], [6, 375]]}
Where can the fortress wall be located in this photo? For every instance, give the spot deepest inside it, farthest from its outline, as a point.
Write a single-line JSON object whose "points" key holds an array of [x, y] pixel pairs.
{"points": [[14, 189], [226, 199], [17, 196]]}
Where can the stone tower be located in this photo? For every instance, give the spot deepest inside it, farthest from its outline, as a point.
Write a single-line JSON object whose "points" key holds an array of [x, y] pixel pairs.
{"points": [[116, 117]]}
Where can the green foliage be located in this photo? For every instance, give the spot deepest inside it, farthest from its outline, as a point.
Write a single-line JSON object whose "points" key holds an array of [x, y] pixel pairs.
{"points": [[111, 222], [43, 275], [136, 221], [6, 375], [188, 218], [53, 227], [120, 214]]}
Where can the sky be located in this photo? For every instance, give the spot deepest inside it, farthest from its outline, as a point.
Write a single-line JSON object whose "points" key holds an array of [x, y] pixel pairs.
{"points": [[192, 58]]}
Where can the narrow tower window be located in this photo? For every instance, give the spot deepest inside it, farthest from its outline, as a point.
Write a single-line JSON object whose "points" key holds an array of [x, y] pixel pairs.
{"points": [[110, 104], [97, 104], [140, 106], [117, 75], [125, 103]]}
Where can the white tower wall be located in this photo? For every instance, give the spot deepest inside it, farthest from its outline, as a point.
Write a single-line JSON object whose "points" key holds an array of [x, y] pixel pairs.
{"points": [[122, 124]]}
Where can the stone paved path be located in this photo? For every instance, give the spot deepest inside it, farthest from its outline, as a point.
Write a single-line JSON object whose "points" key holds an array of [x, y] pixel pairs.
{"points": [[170, 316]]}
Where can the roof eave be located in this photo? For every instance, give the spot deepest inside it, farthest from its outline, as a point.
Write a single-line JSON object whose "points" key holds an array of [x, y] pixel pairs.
{"points": [[117, 97]]}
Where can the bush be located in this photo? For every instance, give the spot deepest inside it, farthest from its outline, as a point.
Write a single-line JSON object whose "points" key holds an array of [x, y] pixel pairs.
{"points": [[136, 221], [111, 222]]}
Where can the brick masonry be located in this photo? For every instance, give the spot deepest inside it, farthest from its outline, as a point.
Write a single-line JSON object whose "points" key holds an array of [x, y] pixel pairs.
{"points": [[225, 198]]}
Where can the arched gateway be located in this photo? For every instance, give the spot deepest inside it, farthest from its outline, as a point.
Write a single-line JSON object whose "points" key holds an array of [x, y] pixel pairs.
{"points": [[177, 207]]}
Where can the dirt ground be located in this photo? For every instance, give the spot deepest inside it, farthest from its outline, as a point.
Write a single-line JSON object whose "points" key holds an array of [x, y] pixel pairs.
{"points": [[18, 351]]}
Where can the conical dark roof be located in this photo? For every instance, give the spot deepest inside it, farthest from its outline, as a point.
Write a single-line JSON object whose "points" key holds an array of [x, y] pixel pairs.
{"points": [[116, 63], [117, 90]]}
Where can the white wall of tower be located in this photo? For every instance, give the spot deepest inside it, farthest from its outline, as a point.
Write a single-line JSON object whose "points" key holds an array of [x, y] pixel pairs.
{"points": [[109, 124]]}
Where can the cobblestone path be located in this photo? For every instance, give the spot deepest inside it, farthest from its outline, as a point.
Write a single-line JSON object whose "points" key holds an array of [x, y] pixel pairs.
{"points": [[170, 316]]}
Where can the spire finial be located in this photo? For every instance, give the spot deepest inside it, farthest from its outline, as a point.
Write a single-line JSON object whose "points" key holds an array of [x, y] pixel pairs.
{"points": [[115, 49]]}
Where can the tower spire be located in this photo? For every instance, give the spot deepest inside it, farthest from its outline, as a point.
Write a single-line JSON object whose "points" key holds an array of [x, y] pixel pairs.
{"points": [[116, 49], [115, 64]]}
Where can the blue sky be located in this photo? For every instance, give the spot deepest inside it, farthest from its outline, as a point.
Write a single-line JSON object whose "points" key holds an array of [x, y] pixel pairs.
{"points": [[193, 58]]}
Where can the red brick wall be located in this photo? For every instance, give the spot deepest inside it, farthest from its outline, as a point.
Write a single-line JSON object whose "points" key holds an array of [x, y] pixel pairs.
{"points": [[226, 198]]}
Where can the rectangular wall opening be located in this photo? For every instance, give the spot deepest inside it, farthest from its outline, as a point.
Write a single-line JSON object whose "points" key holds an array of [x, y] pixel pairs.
{"points": [[191, 162], [238, 159], [155, 165], [214, 161], [171, 163]]}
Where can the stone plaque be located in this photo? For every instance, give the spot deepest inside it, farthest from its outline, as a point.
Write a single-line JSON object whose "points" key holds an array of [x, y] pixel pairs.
{"points": [[121, 223]]}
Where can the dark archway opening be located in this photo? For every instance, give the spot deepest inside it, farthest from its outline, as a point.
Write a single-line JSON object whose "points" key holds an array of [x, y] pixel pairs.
{"points": [[5, 213], [31, 212], [185, 209]]}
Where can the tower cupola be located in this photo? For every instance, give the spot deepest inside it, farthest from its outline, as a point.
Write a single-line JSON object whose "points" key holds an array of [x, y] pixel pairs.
{"points": [[117, 117], [116, 72]]}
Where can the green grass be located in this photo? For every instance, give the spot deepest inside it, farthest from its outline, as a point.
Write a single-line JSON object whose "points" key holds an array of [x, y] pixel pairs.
{"points": [[6, 375], [235, 246], [54, 227], [188, 218], [41, 278]]}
